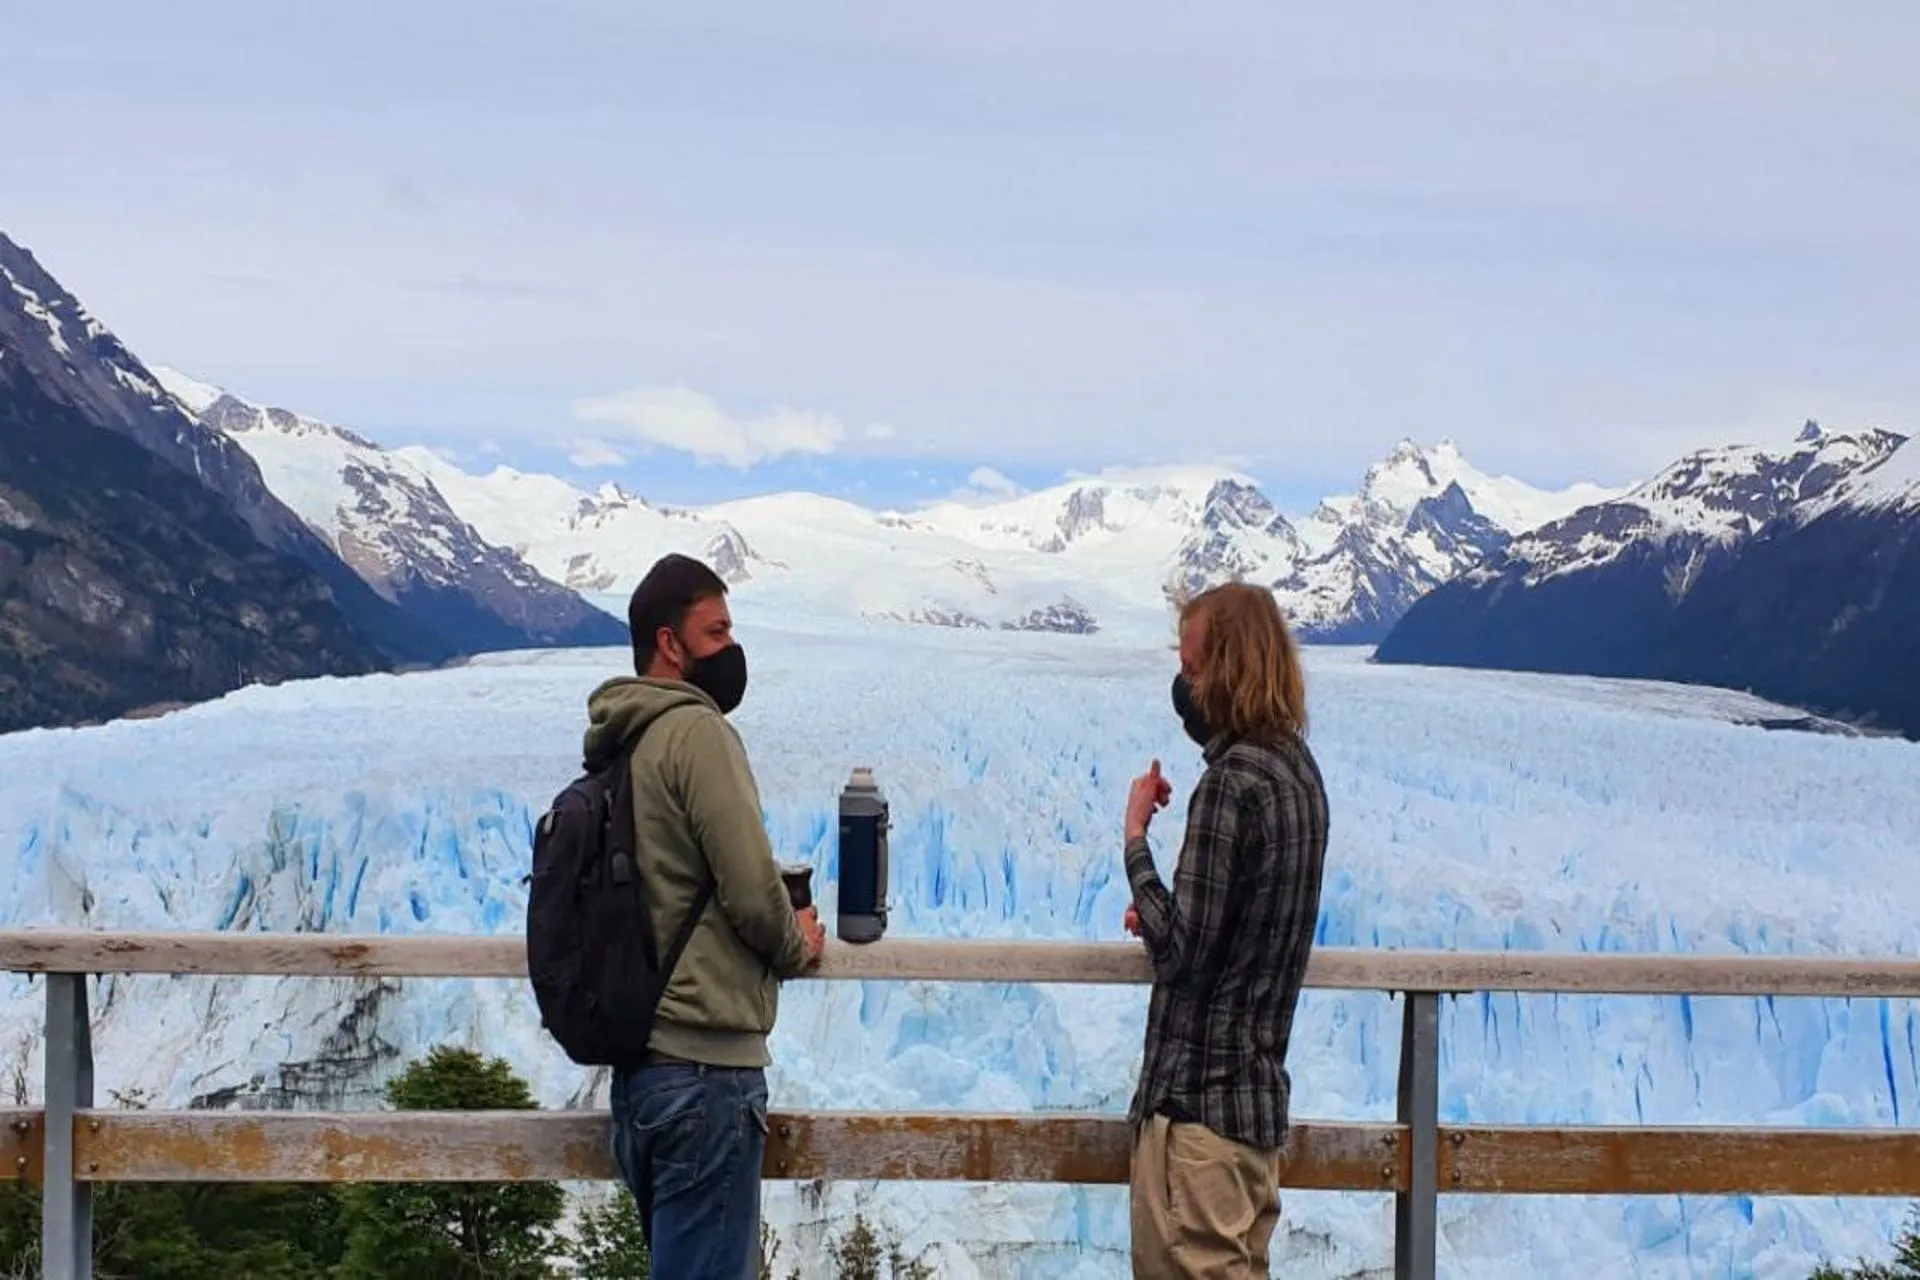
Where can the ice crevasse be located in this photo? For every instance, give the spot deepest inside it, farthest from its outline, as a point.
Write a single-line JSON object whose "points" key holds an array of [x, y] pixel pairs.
{"points": [[1472, 811]]}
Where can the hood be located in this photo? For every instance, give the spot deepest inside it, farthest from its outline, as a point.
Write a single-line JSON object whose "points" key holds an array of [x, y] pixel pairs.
{"points": [[625, 705]]}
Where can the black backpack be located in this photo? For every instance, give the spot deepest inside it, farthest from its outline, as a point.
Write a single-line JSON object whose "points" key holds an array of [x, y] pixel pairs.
{"points": [[597, 975]]}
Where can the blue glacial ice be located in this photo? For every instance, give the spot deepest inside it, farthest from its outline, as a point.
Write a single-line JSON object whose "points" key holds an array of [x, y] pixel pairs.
{"points": [[1471, 811]]}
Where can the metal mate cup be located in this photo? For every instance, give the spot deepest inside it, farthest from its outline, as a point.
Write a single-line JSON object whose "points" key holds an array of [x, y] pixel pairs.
{"points": [[799, 882]]}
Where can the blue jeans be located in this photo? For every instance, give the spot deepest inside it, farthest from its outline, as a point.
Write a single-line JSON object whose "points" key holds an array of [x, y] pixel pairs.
{"points": [[689, 1140]]}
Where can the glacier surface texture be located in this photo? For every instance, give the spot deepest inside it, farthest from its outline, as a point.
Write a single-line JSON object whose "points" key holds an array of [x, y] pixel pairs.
{"points": [[1470, 810]]}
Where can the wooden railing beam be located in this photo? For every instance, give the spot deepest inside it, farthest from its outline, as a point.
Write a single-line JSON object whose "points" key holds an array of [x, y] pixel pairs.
{"points": [[1682, 1160], [980, 960], [22, 1144], [507, 1146], [494, 1146]]}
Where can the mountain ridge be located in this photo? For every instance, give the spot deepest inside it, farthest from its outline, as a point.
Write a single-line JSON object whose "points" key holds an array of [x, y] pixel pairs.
{"points": [[126, 582], [79, 364], [1790, 573], [1068, 556], [390, 524], [148, 561]]}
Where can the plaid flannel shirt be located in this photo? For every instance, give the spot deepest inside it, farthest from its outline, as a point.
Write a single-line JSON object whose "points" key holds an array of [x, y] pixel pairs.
{"points": [[1229, 944]]}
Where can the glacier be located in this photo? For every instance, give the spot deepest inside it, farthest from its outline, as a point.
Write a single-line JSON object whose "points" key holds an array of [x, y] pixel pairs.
{"points": [[1471, 810]]}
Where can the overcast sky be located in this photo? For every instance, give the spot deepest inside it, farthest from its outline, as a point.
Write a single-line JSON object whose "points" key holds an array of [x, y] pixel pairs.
{"points": [[717, 248]]}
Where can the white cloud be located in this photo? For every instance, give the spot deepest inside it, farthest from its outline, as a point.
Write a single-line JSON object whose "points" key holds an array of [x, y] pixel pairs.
{"points": [[995, 482], [684, 420], [589, 453], [879, 431], [985, 484]]}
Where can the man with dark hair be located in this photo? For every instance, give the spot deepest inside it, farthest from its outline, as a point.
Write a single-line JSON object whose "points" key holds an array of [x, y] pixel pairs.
{"points": [[690, 1123]]}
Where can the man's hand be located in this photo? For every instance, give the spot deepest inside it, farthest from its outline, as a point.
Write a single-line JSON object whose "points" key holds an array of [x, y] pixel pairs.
{"points": [[816, 934], [1150, 792], [1131, 921]]}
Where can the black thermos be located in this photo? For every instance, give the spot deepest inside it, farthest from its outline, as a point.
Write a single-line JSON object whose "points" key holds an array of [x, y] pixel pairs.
{"points": [[863, 859]]}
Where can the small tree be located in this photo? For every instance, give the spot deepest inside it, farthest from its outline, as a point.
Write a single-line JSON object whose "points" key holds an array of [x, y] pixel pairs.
{"points": [[861, 1256], [19, 1231], [453, 1230], [181, 1231], [858, 1256], [1905, 1264], [612, 1244], [901, 1267]]}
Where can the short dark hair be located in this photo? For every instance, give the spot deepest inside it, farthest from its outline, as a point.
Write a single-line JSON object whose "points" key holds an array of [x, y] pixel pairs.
{"points": [[673, 586]]}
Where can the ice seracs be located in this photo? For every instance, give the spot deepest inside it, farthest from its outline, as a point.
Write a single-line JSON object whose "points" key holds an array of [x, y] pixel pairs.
{"points": [[1475, 811]]}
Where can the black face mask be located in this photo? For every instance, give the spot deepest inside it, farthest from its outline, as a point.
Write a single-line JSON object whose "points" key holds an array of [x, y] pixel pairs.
{"points": [[722, 676], [1183, 706]]}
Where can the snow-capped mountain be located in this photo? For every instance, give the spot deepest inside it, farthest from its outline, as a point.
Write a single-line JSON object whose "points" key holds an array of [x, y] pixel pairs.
{"points": [[1412, 475], [1699, 507], [407, 527], [82, 365], [1889, 487], [599, 542], [1792, 572], [1094, 552], [1421, 516], [383, 516], [142, 558], [1241, 537], [1822, 607]]}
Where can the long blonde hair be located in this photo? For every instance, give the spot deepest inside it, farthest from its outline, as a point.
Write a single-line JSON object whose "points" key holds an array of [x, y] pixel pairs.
{"points": [[1248, 683]]}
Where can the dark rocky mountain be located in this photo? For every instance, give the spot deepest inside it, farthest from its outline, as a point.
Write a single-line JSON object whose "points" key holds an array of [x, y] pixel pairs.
{"points": [[144, 558], [1448, 520], [1822, 609], [1792, 574], [78, 364], [125, 582]]}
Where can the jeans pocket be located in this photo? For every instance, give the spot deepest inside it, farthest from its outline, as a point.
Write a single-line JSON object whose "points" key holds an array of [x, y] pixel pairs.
{"points": [[670, 1127]]}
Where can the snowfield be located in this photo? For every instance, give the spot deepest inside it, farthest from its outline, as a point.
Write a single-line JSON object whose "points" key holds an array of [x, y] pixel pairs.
{"points": [[1471, 810]]}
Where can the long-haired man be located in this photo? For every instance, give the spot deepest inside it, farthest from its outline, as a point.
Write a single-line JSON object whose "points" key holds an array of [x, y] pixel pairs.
{"points": [[1229, 944]]}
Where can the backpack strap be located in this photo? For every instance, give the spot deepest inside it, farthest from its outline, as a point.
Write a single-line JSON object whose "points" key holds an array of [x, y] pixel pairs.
{"points": [[685, 935], [623, 788]]}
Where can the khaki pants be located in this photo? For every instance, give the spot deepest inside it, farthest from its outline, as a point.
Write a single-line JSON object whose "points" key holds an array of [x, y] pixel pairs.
{"points": [[1203, 1206]]}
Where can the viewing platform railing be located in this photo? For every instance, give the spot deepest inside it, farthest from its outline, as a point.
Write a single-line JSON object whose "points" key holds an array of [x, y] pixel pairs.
{"points": [[68, 1144]]}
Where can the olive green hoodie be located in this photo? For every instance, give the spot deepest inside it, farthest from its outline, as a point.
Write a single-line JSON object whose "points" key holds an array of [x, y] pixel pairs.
{"points": [[697, 815]]}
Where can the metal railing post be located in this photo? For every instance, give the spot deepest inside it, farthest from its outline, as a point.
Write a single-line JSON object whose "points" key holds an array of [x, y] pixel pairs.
{"points": [[1416, 1210], [66, 1219]]}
